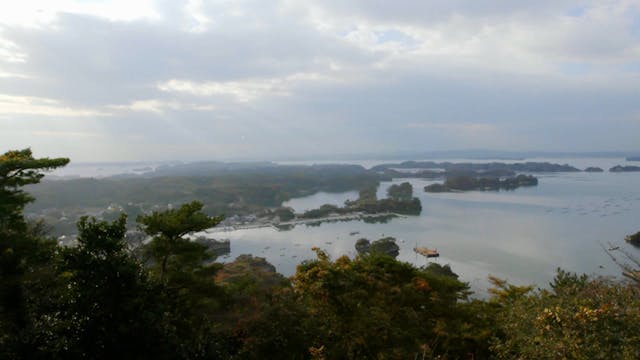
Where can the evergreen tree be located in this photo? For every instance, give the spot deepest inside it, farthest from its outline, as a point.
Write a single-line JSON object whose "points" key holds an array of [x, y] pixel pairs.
{"points": [[23, 252], [186, 270], [109, 306]]}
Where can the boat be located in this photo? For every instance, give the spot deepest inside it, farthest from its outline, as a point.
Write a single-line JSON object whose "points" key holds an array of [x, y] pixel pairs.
{"points": [[426, 251]]}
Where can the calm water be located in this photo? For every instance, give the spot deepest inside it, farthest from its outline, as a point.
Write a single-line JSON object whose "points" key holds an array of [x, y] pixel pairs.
{"points": [[522, 235]]}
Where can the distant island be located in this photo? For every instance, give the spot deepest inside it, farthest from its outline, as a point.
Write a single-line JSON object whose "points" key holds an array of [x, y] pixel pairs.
{"points": [[468, 183], [432, 170], [593, 169], [633, 158], [620, 168]]}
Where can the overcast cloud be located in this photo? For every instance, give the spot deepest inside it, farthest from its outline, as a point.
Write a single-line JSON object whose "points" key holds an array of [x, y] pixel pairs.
{"points": [[151, 80]]}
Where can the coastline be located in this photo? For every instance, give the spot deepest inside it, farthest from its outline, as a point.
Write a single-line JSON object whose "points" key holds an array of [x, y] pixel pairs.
{"points": [[274, 225]]}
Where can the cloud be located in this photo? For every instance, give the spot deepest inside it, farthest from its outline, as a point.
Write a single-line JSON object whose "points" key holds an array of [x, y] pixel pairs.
{"points": [[244, 90], [269, 79], [159, 106], [26, 105]]}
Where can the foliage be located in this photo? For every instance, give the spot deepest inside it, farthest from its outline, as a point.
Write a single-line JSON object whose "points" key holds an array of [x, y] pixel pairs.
{"points": [[264, 317], [323, 211], [368, 193], [405, 207], [97, 300], [384, 246], [402, 191], [186, 271], [467, 183], [169, 250], [241, 190], [24, 254], [443, 270], [399, 201], [108, 306], [578, 318], [285, 214], [18, 168], [377, 307]]}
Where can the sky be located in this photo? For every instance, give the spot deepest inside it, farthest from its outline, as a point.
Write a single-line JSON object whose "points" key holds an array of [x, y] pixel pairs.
{"points": [[125, 80]]}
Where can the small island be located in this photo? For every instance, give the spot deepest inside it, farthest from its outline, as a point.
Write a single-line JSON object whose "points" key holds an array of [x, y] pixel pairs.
{"points": [[620, 168], [468, 183], [593, 169], [633, 158], [400, 201], [386, 246]]}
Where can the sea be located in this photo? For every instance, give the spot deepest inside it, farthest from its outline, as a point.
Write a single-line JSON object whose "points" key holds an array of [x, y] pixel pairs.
{"points": [[523, 235]]}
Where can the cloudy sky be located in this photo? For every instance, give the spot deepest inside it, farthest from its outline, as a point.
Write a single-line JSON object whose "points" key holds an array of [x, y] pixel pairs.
{"points": [[150, 80]]}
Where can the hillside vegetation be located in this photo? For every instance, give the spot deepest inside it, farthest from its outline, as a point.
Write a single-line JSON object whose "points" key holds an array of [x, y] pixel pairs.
{"points": [[169, 299]]}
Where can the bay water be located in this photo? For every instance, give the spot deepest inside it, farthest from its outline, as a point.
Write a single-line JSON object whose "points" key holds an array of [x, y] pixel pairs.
{"points": [[521, 235]]}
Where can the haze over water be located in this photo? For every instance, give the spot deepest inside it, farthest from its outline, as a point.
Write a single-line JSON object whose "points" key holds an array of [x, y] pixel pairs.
{"points": [[522, 235]]}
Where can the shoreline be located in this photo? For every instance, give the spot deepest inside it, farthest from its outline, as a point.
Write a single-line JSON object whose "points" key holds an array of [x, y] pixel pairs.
{"points": [[348, 217]]}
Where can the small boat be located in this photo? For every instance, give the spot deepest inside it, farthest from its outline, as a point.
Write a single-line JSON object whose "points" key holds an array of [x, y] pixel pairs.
{"points": [[614, 248], [354, 233], [426, 252]]}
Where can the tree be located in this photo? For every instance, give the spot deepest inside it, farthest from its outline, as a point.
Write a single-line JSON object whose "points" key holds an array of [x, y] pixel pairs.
{"points": [[168, 249], [109, 306], [403, 191], [18, 168], [578, 318], [184, 268], [376, 307], [23, 251]]}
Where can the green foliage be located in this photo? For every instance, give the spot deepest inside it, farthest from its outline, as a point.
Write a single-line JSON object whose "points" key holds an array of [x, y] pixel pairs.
{"points": [[368, 193], [176, 223], [108, 305], [24, 254], [443, 270], [384, 246], [399, 201], [18, 168], [169, 251], [285, 214], [223, 191], [577, 319], [459, 182], [504, 293], [377, 307], [266, 316], [402, 191], [406, 207], [185, 270]]}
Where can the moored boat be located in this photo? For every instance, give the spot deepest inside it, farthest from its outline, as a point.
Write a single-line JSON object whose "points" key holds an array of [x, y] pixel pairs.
{"points": [[426, 251]]}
